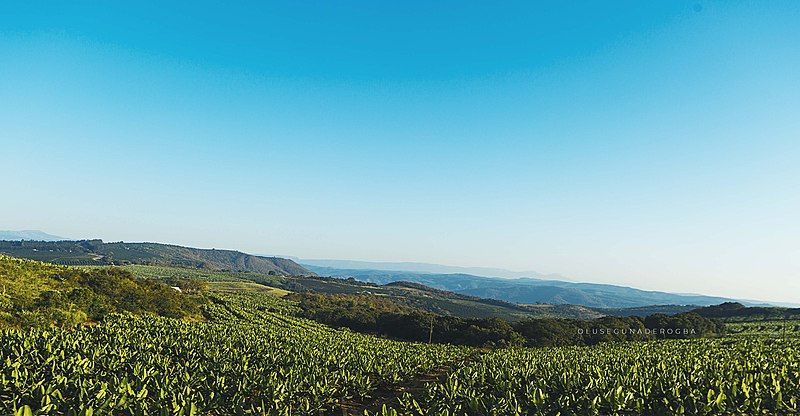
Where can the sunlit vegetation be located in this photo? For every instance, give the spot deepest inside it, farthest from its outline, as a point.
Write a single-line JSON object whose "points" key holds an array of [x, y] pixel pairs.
{"points": [[41, 294], [148, 340], [672, 377], [249, 358], [387, 317]]}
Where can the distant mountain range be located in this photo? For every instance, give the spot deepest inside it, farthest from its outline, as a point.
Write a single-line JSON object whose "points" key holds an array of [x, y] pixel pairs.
{"points": [[480, 282], [530, 290], [97, 252], [426, 268], [30, 235]]}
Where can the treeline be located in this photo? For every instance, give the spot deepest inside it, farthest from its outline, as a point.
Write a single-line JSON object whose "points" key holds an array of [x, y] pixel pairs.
{"points": [[39, 294], [97, 252], [737, 311], [382, 316]]}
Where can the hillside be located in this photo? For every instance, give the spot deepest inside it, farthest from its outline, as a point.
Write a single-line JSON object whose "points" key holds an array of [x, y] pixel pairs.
{"points": [[33, 293], [443, 302], [410, 294], [647, 310], [528, 290], [97, 252], [734, 311]]}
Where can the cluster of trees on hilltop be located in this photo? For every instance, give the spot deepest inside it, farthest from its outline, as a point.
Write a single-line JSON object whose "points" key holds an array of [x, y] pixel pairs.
{"points": [[737, 311], [386, 317]]}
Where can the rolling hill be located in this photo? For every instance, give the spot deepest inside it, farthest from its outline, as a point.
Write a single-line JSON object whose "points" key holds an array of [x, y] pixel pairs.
{"points": [[418, 267], [97, 252], [528, 290], [406, 293], [738, 311]]}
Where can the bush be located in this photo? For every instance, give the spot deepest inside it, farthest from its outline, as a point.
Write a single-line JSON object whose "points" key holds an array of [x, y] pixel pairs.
{"points": [[41, 294]]}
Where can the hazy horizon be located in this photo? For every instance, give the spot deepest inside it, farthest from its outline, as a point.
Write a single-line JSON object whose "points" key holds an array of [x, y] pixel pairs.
{"points": [[645, 145], [485, 273]]}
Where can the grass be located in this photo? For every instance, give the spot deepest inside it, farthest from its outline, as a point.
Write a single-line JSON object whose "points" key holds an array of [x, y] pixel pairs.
{"points": [[247, 287]]}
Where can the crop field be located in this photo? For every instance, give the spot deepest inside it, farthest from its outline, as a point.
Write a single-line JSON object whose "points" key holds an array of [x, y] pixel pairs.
{"points": [[769, 328], [165, 272], [238, 287], [696, 377], [249, 359], [252, 357]]}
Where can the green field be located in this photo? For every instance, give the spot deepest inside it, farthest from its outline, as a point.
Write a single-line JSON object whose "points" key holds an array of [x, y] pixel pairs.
{"points": [[252, 357], [236, 287], [719, 376], [765, 328], [246, 352], [244, 360]]}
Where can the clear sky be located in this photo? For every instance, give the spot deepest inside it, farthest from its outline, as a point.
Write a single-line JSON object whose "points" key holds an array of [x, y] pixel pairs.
{"points": [[651, 144]]}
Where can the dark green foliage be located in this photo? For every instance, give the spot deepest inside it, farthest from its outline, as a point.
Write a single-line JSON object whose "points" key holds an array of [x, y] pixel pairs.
{"points": [[383, 316], [701, 326], [387, 317], [550, 332], [554, 332], [735, 311], [647, 310], [722, 310]]}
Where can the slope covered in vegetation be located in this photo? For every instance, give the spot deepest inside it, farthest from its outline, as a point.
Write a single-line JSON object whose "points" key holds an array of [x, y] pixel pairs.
{"points": [[734, 311], [387, 317], [417, 296], [97, 252], [33, 293]]}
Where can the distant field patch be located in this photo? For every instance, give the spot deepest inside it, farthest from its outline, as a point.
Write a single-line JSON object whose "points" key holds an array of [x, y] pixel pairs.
{"points": [[246, 287]]}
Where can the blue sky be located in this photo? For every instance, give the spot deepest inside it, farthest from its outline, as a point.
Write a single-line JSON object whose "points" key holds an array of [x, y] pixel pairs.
{"points": [[652, 144]]}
